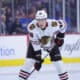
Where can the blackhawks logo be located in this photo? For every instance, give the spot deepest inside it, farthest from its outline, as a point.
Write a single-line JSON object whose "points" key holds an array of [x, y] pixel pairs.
{"points": [[44, 40], [54, 24], [32, 27]]}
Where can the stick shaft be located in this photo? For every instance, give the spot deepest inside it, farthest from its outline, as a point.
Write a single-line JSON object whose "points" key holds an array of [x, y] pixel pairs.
{"points": [[34, 68]]}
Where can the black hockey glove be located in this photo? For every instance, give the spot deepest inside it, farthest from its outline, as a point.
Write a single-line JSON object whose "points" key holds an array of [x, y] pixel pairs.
{"points": [[38, 65], [39, 61], [59, 39], [59, 42]]}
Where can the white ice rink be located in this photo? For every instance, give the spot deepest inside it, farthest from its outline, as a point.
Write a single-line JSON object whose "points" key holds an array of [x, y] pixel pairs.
{"points": [[48, 72]]}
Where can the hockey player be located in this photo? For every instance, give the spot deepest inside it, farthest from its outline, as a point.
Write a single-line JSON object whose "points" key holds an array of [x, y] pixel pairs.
{"points": [[42, 35]]}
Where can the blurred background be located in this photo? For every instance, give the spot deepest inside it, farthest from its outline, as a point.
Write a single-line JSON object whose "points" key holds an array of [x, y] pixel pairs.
{"points": [[15, 15], [19, 13]]}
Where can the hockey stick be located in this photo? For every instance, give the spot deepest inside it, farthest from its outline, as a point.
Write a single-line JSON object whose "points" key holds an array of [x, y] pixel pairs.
{"points": [[34, 68]]}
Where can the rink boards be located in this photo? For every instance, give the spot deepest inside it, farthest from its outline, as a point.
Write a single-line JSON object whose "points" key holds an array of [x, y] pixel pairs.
{"points": [[13, 50]]}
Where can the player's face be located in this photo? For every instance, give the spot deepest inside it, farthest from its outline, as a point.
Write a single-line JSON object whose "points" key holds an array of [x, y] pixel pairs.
{"points": [[41, 23]]}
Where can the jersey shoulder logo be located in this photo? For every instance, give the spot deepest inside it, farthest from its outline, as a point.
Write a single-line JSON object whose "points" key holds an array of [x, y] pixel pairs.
{"points": [[32, 26], [54, 24]]}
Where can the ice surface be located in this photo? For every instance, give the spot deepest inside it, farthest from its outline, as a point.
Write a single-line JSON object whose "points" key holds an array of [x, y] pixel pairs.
{"points": [[48, 72]]}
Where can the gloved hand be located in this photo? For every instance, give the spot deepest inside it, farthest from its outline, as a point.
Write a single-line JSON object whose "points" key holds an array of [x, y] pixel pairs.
{"points": [[59, 42], [38, 65]]}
